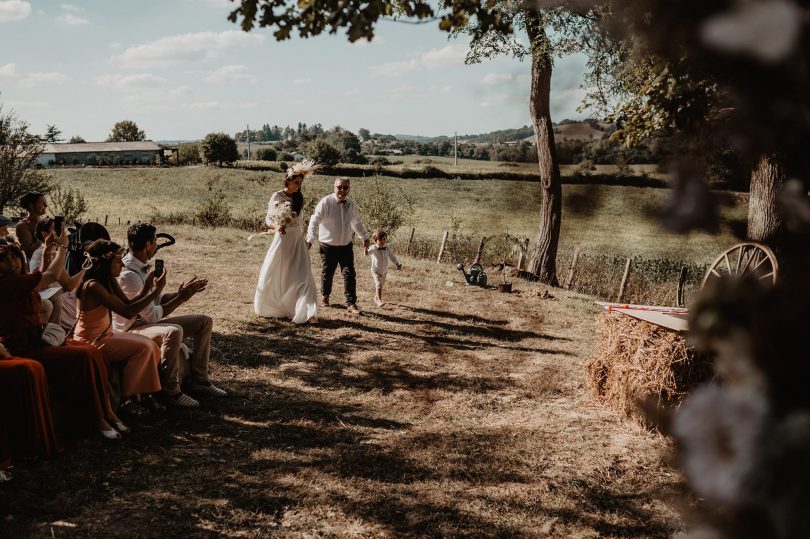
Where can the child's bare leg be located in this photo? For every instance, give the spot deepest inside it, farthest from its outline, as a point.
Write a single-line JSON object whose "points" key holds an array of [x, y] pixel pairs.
{"points": [[378, 297]]}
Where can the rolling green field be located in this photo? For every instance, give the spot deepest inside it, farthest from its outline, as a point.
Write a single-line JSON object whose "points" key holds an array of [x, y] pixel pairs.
{"points": [[606, 219]]}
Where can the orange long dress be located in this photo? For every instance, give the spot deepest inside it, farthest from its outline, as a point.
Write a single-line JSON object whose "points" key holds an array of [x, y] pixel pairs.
{"points": [[77, 373], [140, 354], [26, 423]]}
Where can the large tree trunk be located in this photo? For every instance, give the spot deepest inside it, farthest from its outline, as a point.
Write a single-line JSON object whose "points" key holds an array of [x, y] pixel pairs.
{"points": [[764, 222], [543, 260]]}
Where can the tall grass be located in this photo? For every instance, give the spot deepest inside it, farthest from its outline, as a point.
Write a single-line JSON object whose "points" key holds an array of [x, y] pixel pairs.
{"points": [[609, 223]]}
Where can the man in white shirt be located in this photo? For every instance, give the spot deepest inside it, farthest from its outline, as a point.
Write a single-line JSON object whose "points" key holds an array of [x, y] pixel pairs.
{"points": [[334, 223], [168, 333]]}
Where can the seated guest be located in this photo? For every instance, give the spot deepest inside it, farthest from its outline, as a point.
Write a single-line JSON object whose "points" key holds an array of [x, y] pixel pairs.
{"points": [[65, 284], [26, 424], [100, 296], [35, 206], [4, 222], [77, 373], [87, 234], [168, 332]]}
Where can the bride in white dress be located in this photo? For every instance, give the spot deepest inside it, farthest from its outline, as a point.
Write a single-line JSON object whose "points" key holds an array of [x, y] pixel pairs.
{"points": [[286, 287]]}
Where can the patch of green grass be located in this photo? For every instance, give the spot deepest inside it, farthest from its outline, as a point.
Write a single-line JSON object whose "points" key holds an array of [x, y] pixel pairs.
{"points": [[611, 220]]}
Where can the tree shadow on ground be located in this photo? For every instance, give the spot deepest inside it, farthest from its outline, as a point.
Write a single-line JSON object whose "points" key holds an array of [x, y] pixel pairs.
{"points": [[224, 470]]}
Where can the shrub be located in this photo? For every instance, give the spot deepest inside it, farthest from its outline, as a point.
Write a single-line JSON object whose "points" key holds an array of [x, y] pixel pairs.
{"points": [[323, 152], [380, 161], [219, 148], [585, 168], [384, 205], [189, 154], [214, 210], [266, 154], [67, 202]]}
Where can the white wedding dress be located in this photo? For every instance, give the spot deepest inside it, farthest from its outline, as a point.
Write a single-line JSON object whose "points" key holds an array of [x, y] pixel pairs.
{"points": [[286, 287]]}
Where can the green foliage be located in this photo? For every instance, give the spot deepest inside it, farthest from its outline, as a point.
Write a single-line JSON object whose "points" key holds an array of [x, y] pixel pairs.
{"points": [[189, 154], [126, 131], [68, 202], [19, 150], [76, 139], [213, 210], [384, 205], [585, 168], [266, 154], [323, 152], [219, 148], [52, 135]]}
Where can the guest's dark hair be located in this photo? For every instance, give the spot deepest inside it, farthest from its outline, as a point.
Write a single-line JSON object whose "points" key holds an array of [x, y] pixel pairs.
{"points": [[43, 228], [29, 198], [297, 197], [138, 234], [102, 252], [10, 247]]}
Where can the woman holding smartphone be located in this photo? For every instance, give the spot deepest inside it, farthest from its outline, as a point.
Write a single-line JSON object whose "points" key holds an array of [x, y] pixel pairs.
{"points": [[100, 296], [35, 207]]}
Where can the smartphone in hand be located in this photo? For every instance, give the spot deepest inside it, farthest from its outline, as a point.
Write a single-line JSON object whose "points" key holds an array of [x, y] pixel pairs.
{"points": [[158, 267], [58, 224]]}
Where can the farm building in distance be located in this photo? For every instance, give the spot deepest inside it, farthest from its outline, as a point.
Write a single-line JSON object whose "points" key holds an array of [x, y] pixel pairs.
{"points": [[102, 153]]}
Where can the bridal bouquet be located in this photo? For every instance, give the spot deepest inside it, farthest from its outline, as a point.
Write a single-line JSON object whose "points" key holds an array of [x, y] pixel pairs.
{"points": [[282, 215]]}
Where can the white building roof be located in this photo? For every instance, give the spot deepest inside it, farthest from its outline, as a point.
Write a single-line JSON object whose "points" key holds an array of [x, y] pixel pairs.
{"points": [[84, 147]]}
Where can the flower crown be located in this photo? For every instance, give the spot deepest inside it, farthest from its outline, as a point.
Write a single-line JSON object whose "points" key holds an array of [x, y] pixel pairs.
{"points": [[304, 168]]}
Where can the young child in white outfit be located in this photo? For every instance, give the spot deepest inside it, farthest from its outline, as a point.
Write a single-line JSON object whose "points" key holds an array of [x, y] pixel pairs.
{"points": [[381, 253]]}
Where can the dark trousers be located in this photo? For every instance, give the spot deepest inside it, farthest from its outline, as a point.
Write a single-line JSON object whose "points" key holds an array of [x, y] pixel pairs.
{"points": [[331, 256]]}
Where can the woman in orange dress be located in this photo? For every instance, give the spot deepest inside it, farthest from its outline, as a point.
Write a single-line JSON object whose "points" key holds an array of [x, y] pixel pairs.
{"points": [[77, 373], [26, 423], [100, 294]]}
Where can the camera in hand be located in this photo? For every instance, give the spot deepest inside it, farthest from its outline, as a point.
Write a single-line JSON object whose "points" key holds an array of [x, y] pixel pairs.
{"points": [[158, 267], [58, 224]]}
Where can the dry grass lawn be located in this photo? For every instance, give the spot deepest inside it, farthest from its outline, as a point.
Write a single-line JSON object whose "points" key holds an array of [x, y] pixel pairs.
{"points": [[451, 411]]}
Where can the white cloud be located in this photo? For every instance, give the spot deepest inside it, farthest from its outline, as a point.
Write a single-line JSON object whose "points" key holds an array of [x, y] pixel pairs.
{"points": [[127, 82], [14, 10], [8, 71], [497, 78], [115, 45], [42, 79], [71, 7], [351, 93], [302, 81], [394, 69], [402, 92], [178, 49], [450, 56], [230, 73], [441, 89], [29, 80], [69, 19]]}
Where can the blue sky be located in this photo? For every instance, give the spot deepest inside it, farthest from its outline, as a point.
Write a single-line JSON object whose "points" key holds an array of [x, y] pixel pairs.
{"points": [[180, 70]]}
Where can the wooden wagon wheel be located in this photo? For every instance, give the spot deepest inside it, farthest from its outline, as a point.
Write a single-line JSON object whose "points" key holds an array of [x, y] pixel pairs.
{"points": [[744, 260]]}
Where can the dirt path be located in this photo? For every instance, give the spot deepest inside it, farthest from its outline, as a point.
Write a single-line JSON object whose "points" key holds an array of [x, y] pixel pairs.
{"points": [[451, 411]]}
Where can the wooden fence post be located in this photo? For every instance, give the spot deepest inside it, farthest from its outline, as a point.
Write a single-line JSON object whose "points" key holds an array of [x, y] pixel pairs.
{"points": [[624, 281], [105, 220], [119, 220], [681, 282], [441, 249], [521, 260], [573, 268], [410, 240]]}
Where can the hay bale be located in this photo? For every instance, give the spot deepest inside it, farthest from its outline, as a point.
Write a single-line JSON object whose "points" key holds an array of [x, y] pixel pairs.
{"points": [[635, 361]]}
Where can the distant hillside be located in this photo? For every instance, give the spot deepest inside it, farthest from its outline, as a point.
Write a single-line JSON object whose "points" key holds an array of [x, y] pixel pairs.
{"points": [[567, 130]]}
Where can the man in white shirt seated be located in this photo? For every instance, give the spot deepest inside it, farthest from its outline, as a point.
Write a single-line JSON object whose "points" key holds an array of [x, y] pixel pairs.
{"points": [[334, 223], [169, 332]]}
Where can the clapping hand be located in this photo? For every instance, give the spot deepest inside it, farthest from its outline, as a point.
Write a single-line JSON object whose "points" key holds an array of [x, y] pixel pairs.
{"points": [[188, 289]]}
